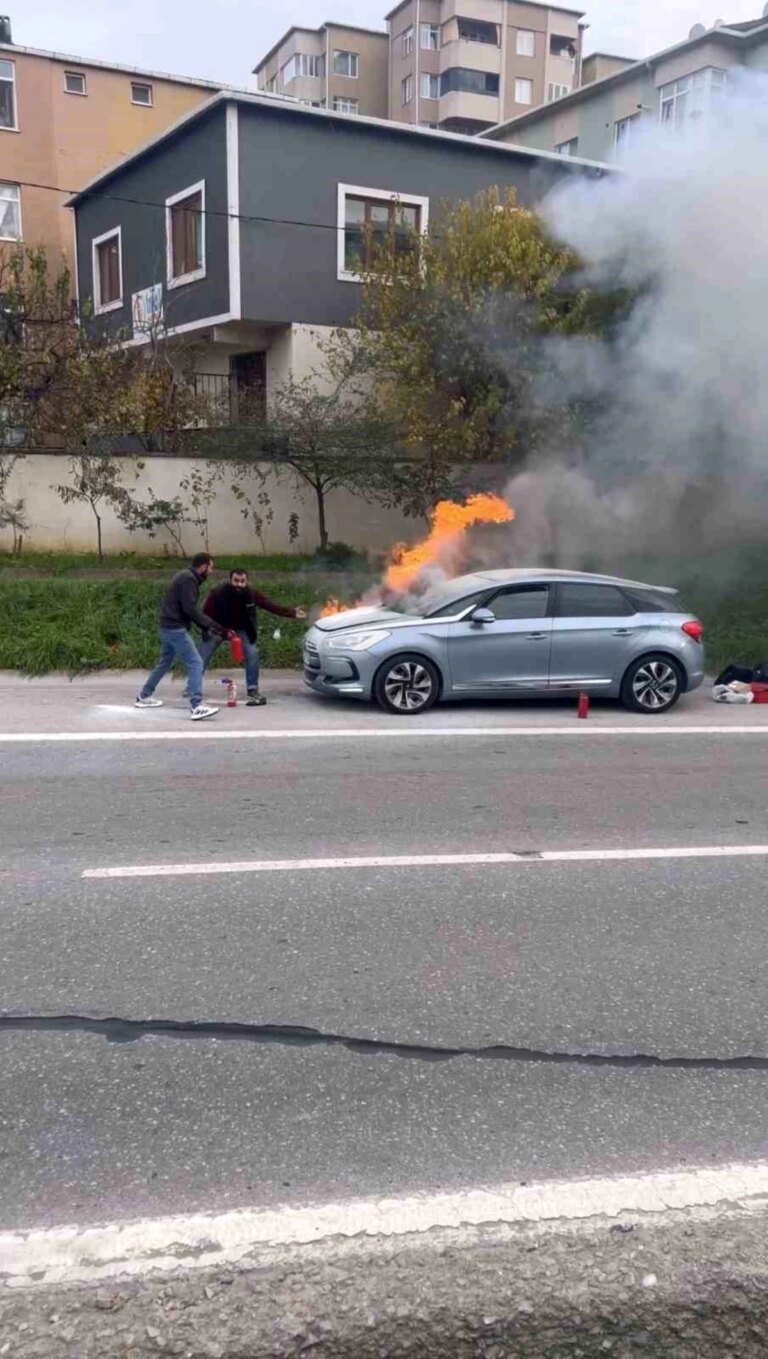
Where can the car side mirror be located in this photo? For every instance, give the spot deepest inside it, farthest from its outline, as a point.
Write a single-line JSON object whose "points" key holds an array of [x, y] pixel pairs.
{"points": [[482, 616]]}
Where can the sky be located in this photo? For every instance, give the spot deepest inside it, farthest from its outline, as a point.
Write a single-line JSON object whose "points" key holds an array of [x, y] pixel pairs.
{"points": [[223, 41]]}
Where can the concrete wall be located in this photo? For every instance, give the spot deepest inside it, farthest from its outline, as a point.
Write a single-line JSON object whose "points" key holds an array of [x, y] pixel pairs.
{"points": [[56, 527]]}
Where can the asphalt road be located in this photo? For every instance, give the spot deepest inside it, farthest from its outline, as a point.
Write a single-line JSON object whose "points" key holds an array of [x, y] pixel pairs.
{"points": [[401, 1028]]}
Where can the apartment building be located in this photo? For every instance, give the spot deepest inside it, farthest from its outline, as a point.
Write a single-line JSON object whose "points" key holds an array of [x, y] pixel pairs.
{"points": [[599, 120], [335, 66], [456, 64], [62, 120]]}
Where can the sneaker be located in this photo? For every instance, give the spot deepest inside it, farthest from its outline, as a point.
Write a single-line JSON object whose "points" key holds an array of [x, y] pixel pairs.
{"points": [[148, 702], [201, 712], [255, 699]]}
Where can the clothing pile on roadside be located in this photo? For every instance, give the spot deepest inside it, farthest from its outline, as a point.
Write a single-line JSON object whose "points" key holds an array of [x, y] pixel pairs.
{"points": [[742, 684]]}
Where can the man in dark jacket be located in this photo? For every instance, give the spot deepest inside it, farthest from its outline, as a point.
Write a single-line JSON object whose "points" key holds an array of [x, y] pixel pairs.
{"points": [[232, 606], [178, 611]]}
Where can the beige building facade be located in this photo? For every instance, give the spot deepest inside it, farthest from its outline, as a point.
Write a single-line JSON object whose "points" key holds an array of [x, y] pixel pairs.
{"points": [[600, 120], [63, 120], [336, 66]]}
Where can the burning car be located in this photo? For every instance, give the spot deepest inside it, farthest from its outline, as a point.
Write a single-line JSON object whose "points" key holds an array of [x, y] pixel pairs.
{"points": [[500, 633]]}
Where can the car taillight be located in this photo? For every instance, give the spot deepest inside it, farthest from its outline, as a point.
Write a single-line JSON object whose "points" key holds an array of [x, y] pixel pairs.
{"points": [[694, 629]]}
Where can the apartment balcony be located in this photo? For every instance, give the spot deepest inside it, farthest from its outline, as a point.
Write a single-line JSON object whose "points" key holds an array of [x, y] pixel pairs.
{"points": [[492, 11], [464, 106], [474, 56]]}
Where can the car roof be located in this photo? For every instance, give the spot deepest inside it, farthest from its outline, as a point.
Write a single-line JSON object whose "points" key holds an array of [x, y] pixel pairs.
{"points": [[476, 580]]}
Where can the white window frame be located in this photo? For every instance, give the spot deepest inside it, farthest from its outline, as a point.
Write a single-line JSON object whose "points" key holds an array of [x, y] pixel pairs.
{"points": [[427, 30], [523, 80], [170, 203], [521, 47], [78, 75], [12, 82], [11, 184], [407, 36], [557, 91], [426, 80], [100, 309], [693, 86], [406, 90], [630, 125], [340, 99], [565, 148], [346, 52], [145, 85], [408, 200]]}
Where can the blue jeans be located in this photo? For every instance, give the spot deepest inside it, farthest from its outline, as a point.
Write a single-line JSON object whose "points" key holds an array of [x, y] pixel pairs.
{"points": [[250, 655], [176, 643]]}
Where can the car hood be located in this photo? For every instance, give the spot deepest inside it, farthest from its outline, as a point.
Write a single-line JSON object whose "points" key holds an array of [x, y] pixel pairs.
{"points": [[356, 618]]}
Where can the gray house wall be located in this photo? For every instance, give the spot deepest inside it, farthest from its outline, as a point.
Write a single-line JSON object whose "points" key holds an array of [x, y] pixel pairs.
{"points": [[199, 152]]}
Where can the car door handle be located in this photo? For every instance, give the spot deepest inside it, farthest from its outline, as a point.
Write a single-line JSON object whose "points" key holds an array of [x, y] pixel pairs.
{"points": [[536, 636], [623, 632]]}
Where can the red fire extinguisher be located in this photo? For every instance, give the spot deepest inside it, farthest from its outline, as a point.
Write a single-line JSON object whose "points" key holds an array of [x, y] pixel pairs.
{"points": [[583, 708], [236, 650]]}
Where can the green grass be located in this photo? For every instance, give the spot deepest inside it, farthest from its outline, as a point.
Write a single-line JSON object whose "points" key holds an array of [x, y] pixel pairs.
{"points": [[134, 563]]}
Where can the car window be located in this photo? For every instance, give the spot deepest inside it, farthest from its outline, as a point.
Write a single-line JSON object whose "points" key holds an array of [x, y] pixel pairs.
{"points": [[458, 605], [591, 601], [647, 601], [524, 601]]}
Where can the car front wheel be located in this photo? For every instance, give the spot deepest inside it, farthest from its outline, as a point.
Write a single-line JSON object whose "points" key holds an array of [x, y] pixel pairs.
{"points": [[406, 685], [652, 685]]}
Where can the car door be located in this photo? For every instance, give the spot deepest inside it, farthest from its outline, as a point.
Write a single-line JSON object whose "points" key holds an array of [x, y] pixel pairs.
{"points": [[511, 652], [594, 632]]}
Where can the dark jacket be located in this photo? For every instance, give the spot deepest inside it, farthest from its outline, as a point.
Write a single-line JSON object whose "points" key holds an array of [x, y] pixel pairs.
{"points": [[235, 610], [180, 608]]}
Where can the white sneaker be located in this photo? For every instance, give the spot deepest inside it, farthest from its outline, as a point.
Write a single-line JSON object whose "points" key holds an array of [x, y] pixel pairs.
{"points": [[148, 702], [201, 712]]}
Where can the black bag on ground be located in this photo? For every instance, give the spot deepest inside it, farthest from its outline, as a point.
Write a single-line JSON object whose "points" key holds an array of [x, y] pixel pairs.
{"points": [[743, 673]]}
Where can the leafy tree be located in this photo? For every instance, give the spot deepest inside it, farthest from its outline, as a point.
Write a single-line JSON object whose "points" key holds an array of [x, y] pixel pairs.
{"points": [[12, 511], [96, 482]]}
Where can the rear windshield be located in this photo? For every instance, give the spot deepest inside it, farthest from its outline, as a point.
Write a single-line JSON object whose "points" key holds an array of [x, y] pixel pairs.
{"points": [[651, 601]]}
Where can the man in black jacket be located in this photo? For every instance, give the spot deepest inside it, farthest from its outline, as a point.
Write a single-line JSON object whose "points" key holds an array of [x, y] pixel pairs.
{"points": [[178, 611], [233, 607]]}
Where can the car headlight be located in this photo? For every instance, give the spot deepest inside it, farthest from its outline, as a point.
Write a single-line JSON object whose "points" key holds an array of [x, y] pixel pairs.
{"points": [[356, 641]]}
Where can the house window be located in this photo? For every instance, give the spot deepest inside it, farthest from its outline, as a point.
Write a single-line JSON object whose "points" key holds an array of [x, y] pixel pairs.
{"points": [[271, 85], [557, 92], [185, 235], [8, 95], [408, 41], [526, 43], [10, 212], [625, 130], [562, 47], [477, 30], [74, 82], [570, 148], [345, 64], [430, 37], [429, 86], [371, 220], [459, 78], [108, 271], [342, 105], [302, 64], [406, 90], [523, 91], [691, 96], [141, 93]]}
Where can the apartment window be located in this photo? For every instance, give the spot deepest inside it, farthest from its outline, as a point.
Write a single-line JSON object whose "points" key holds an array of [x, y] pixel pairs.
{"points": [[406, 90], [107, 263], [557, 92], [408, 41], [185, 235], [342, 105], [477, 30], [271, 85], [690, 96], [8, 95], [430, 37], [523, 91], [570, 148], [302, 64], [371, 220], [345, 64], [562, 47], [624, 130], [429, 86], [459, 78], [141, 93], [526, 43], [10, 212], [74, 82]]}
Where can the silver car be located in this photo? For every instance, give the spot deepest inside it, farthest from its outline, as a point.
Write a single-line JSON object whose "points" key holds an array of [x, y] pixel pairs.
{"points": [[501, 633]]}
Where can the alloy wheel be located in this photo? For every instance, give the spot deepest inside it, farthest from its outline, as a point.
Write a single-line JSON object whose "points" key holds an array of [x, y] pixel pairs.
{"points": [[408, 686], [655, 685]]}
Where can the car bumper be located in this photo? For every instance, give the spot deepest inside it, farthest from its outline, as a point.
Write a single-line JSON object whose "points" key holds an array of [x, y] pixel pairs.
{"points": [[346, 676]]}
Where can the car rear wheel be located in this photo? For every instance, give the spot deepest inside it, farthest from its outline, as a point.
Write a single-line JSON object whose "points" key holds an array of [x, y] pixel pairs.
{"points": [[406, 685], [653, 684]]}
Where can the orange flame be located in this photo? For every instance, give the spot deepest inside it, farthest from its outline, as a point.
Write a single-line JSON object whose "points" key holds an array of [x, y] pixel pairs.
{"points": [[449, 522]]}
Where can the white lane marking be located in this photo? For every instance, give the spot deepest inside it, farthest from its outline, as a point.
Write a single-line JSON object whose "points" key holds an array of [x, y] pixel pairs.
{"points": [[72, 1254], [578, 729], [426, 861]]}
